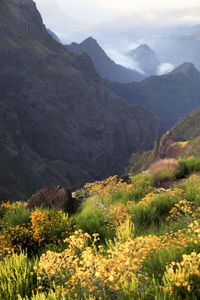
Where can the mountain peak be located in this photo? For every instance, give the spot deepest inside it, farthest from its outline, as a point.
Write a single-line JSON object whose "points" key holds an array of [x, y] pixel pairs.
{"points": [[185, 68], [105, 66], [143, 49], [89, 40], [146, 59]]}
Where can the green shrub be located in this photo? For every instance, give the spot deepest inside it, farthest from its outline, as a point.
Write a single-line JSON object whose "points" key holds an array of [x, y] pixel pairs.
{"points": [[91, 218], [19, 216], [51, 295], [188, 165], [17, 277], [164, 169], [142, 184], [191, 189], [144, 179], [153, 213]]}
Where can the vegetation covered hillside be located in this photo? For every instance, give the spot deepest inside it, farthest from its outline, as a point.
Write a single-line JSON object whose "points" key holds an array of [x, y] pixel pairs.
{"points": [[127, 241], [189, 126], [183, 140], [59, 123]]}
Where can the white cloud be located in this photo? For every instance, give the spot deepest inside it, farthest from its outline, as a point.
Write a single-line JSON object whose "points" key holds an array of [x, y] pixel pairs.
{"points": [[164, 68], [123, 59]]}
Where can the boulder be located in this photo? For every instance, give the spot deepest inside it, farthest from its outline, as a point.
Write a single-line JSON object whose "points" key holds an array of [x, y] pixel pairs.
{"points": [[59, 198]]}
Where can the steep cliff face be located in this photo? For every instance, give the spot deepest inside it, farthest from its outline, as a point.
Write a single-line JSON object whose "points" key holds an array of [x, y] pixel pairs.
{"points": [[59, 123]]}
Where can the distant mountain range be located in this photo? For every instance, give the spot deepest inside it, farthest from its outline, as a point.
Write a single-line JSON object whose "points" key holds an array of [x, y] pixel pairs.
{"points": [[169, 96], [174, 44], [59, 122], [106, 67]]}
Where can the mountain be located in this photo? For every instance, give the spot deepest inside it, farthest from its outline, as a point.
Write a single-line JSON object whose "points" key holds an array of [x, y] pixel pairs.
{"points": [[59, 123], [169, 96], [189, 126], [173, 43], [106, 67], [146, 59], [54, 35]]}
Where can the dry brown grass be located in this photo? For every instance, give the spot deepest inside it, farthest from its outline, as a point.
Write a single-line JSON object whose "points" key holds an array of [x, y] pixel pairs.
{"points": [[164, 169]]}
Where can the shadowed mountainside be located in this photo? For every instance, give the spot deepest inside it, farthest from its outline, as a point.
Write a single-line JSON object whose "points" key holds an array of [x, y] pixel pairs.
{"points": [[59, 123], [170, 96]]}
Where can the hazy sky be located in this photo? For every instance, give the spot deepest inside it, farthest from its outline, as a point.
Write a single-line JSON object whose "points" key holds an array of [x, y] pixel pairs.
{"points": [[97, 11], [75, 20]]}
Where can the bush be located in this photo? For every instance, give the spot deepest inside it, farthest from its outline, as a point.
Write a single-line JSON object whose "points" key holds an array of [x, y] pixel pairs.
{"points": [[188, 165], [32, 231], [164, 169], [91, 218], [17, 277], [19, 216], [191, 189], [153, 209]]}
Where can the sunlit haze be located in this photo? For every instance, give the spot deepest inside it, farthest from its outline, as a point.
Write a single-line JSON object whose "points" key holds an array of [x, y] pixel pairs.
{"points": [[120, 25]]}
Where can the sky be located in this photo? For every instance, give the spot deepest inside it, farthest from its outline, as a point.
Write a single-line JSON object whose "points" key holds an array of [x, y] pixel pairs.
{"points": [[92, 12]]}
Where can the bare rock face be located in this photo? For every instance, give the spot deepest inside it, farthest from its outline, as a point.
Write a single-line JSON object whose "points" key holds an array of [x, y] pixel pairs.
{"points": [[59, 198], [165, 147], [165, 142]]}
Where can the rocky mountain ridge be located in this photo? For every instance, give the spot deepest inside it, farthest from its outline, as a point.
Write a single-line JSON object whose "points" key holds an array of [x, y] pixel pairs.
{"points": [[106, 67]]}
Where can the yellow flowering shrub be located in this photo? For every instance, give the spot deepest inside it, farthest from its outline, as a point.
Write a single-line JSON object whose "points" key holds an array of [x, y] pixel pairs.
{"points": [[151, 197], [117, 214], [106, 187], [92, 268], [184, 211], [183, 278], [42, 229]]}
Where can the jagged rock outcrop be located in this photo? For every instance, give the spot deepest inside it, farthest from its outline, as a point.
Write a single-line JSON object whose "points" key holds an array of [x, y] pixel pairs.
{"points": [[168, 146], [163, 148], [59, 122]]}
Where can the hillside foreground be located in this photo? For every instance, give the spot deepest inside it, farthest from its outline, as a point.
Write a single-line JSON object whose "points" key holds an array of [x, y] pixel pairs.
{"points": [[128, 240]]}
